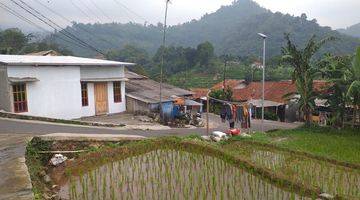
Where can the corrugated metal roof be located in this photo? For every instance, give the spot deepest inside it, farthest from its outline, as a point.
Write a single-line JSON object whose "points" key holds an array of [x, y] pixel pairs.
{"points": [[133, 75], [147, 90], [16, 60], [267, 103]]}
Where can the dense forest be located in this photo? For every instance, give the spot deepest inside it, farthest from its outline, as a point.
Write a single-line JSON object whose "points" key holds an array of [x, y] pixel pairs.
{"points": [[231, 29]]}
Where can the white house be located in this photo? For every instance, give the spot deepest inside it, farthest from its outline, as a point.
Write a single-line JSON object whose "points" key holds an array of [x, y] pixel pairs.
{"points": [[63, 87]]}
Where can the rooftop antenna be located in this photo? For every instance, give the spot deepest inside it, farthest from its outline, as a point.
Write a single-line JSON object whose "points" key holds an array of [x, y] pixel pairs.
{"points": [[162, 59]]}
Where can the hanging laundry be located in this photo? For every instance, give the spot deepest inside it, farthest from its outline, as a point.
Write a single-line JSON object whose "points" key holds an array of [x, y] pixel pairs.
{"points": [[250, 115], [229, 113], [223, 113], [239, 114]]}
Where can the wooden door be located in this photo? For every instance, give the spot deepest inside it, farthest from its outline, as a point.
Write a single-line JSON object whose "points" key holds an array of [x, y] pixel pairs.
{"points": [[101, 98]]}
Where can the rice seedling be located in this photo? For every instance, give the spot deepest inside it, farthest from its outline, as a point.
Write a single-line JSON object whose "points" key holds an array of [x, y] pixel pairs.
{"points": [[171, 174]]}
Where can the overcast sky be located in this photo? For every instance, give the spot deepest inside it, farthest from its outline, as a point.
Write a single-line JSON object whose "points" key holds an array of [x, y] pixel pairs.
{"points": [[333, 13]]}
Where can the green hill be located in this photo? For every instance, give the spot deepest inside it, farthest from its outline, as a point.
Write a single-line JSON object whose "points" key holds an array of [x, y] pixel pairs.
{"points": [[231, 29]]}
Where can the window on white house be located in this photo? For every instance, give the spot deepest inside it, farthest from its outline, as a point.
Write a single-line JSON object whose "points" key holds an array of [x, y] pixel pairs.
{"points": [[84, 95], [117, 91], [19, 96]]}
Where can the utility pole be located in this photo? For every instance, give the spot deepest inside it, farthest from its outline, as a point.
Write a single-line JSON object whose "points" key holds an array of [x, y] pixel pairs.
{"points": [[162, 60], [225, 63]]}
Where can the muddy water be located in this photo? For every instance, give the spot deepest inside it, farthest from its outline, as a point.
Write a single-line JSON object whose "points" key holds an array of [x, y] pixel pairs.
{"points": [[332, 179], [170, 174]]}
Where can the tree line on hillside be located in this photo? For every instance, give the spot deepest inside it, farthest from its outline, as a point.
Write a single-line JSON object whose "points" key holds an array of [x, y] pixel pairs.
{"points": [[232, 30], [189, 67], [14, 41]]}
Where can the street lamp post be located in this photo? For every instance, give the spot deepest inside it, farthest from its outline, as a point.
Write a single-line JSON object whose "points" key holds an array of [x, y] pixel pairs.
{"points": [[162, 61], [263, 36]]}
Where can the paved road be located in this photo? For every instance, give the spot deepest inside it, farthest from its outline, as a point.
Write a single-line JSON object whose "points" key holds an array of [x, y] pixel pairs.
{"points": [[10, 126]]}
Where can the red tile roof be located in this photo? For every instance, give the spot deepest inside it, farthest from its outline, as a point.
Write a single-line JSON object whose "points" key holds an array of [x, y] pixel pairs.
{"points": [[232, 83], [274, 91]]}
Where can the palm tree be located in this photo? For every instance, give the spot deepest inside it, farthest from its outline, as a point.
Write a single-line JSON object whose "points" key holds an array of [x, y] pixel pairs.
{"points": [[304, 72], [353, 92]]}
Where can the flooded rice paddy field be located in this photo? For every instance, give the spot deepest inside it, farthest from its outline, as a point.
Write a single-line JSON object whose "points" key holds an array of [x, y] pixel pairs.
{"points": [[171, 174], [330, 178]]}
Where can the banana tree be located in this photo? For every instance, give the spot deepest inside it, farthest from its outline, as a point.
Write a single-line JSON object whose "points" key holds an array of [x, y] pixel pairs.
{"points": [[353, 93], [335, 70], [304, 72]]}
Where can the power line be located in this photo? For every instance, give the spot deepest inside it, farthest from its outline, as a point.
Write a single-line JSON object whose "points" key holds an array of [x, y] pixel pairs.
{"points": [[97, 7], [131, 11], [42, 20], [83, 12], [91, 11], [13, 12], [69, 21], [68, 34]]}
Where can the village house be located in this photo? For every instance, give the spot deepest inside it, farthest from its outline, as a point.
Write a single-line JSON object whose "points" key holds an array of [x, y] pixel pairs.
{"points": [[142, 95], [63, 87], [275, 92]]}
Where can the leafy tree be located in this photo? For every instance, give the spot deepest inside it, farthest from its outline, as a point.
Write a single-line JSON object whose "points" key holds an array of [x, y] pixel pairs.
{"points": [[12, 41], [335, 69], [353, 93], [226, 95], [191, 55], [44, 46], [129, 53], [304, 71], [205, 53]]}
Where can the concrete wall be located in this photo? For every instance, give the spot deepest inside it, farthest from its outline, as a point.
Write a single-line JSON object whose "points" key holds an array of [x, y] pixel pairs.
{"points": [[56, 95], [101, 72], [116, 107], [5, 102], [87, 111]]}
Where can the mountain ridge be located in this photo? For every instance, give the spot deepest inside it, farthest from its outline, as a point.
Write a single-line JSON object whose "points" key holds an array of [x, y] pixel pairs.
{"points": [[231, 29], [353, 30]]}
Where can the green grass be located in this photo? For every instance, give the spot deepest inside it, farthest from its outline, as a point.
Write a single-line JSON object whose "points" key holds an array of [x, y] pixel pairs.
{"points": [[342, 145]]}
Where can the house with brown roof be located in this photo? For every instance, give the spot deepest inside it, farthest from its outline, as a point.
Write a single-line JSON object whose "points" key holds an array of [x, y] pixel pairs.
{"points": [[275, 92], [275, 97], [231, 83]]}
